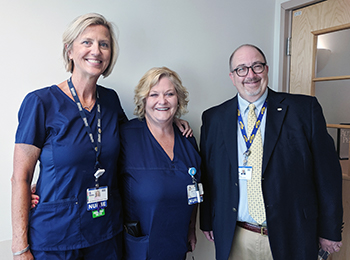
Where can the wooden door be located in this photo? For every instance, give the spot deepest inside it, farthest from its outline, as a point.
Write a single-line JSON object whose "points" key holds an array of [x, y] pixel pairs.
{"points": [[307, 24]]}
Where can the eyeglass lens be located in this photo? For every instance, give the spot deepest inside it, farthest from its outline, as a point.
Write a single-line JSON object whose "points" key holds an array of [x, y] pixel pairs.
{"points": [[256, 68]]}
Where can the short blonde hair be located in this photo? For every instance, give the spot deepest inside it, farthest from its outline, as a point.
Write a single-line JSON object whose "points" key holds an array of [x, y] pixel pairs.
{"points": [[149, 80], [77, 27]]}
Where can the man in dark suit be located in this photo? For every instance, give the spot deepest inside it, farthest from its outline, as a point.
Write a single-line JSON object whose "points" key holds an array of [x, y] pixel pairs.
{"points": [[296, 205]]}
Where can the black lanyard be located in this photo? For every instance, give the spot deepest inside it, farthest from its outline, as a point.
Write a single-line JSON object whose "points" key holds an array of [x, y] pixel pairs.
{"points": [[95, 145]]}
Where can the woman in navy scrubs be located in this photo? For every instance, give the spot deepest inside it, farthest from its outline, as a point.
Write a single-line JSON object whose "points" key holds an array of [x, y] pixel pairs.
{"points": [[160, 167], [73, 130]]}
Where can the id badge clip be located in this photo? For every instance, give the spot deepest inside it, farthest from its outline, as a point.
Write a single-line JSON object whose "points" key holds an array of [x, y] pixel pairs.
{"points": [[97, 175], [195, 191]]}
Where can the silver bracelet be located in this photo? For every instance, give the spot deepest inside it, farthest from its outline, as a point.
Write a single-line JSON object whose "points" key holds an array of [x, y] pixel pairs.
{"points": [[22, 251]]}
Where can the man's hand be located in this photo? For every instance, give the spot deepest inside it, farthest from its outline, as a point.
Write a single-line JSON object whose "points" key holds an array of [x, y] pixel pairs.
{"points": [[330, 246], [209, 235]]}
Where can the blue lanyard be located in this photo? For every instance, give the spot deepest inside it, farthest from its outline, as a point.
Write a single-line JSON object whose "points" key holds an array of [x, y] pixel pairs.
{"points": [[250, 140], [96, 146]]}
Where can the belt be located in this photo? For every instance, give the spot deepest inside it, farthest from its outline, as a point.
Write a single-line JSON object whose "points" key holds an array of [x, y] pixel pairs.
{"points": [[257, 229]]}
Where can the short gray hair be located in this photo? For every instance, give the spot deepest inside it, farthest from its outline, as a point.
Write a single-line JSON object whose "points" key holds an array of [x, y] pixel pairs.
{"points": [[245, 45]]}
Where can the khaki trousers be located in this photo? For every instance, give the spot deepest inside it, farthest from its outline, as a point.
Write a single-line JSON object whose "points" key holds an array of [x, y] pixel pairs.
{"points": [[248, 245]]}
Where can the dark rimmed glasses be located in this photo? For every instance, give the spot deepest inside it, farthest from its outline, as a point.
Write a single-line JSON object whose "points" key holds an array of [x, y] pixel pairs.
{"points": [[243, 71]]}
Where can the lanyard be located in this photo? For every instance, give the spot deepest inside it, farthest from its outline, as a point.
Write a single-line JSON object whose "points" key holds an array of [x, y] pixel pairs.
{"points": [[250, 140], [95, 145]]}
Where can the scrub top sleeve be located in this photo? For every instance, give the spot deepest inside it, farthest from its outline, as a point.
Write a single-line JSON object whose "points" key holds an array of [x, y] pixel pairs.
{"points": [[31, 122], [192, 139], [193, 142], [122, 118]]}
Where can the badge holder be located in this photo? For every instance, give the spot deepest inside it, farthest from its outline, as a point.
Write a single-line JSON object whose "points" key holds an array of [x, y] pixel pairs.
{"points": [[97, 197], [195, 191], [245, 172]]}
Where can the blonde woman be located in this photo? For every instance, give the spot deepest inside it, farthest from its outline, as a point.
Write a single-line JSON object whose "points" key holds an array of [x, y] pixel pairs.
{"points": [[159, 168], [72, 129]]}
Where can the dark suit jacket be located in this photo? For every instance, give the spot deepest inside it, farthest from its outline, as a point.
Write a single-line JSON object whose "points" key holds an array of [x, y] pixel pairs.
{"points": [[302, 181]]}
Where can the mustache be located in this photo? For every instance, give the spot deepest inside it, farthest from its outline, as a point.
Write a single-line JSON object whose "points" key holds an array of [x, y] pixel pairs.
{"points": [[251, 80]]}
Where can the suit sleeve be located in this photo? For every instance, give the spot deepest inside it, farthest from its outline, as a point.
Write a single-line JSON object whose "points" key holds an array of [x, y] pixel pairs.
{"points": [[328, 177], [205, 206]]}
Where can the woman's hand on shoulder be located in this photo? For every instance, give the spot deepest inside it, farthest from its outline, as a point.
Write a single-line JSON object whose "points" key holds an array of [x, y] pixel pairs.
{"points": [[184, 127]]}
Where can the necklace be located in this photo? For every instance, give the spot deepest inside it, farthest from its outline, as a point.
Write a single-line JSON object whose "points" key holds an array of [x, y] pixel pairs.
{"points": [[88, 108]]}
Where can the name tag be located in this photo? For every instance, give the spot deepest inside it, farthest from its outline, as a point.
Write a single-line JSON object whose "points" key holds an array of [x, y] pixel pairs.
{"points": [[245, 172], [195, 195], [96, 199]]}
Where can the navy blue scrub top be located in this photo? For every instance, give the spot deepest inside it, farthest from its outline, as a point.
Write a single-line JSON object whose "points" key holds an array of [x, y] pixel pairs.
{"points": [[50, 120], [155, 192]]}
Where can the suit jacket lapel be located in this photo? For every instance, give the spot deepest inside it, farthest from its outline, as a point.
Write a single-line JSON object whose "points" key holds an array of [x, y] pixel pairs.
{"points": [[276, 112], [229, 126]]}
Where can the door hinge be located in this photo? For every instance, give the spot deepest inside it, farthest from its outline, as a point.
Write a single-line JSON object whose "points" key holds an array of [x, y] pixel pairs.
{"points": [[288, 49]]}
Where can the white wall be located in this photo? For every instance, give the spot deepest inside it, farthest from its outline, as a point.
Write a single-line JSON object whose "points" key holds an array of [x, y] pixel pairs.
{"points": [[193, 37]]}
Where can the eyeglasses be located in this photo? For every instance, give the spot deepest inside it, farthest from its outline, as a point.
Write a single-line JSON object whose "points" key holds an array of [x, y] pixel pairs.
{"points": [[243, 71]]}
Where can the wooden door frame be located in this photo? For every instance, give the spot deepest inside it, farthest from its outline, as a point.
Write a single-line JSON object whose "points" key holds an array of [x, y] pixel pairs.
{"points": [[282, 60]]}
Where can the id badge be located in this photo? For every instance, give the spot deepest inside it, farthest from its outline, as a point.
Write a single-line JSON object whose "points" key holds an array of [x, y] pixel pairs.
{"points": [[194, 195], [96, 200], [245, 172]]}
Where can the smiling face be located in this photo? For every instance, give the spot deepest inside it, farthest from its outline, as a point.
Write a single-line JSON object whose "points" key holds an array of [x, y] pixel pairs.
{"points": [[91, 51], [252, 86], [161, 103]]}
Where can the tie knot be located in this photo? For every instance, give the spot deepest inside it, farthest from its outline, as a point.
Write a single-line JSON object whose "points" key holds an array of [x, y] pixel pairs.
{"points": [[251, 107]]}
